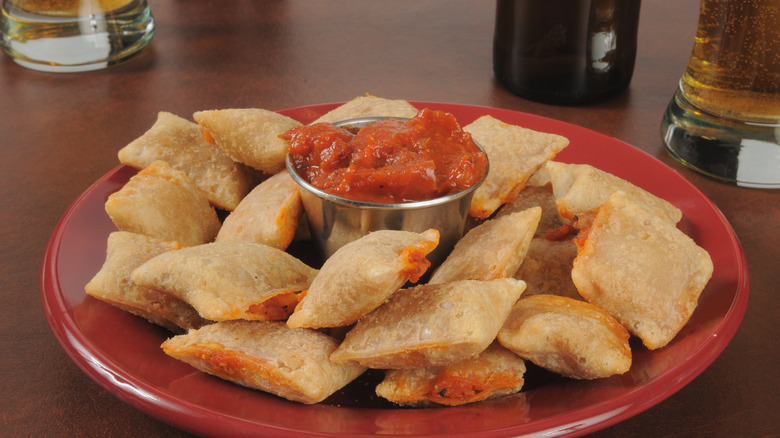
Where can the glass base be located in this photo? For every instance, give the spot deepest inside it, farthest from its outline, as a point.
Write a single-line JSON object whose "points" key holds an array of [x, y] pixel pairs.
{"points": [[739, 153], [75, 43]]}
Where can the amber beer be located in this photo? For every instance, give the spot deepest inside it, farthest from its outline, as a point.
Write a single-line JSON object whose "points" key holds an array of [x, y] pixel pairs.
{"points": [[724, 118], [734, 69], [68, 7]]}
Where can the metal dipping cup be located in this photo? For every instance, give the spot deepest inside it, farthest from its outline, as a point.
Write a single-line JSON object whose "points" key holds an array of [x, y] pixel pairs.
{"points": [[336, 221]]}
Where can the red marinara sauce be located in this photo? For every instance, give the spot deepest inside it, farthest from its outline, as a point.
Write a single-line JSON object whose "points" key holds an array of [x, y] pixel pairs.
{"points": [[389, 161]]}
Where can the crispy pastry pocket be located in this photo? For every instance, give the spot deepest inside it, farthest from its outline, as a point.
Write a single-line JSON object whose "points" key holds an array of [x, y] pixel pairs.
{"points": [[361, 275], [249, 135], [641, 269], [369, 106], [515, 154], [230, 280], [269, 214], [430, 325], [113, 284], [546, 268], [266, 355], [163, 202], [536, 196], [567, 336], [494, 249], [180, 143], [493, 373], [579, 190]]}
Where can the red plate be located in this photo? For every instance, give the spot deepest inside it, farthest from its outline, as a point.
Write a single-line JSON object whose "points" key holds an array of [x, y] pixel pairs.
{"points": [[122, 352]]}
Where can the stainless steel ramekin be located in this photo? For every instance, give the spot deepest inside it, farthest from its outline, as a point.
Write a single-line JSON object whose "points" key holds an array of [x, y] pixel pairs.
{"points": [[336, 221]]}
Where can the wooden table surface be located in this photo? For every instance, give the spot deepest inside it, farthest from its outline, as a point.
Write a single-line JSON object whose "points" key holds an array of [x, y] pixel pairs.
{"points": [[61, 132]]}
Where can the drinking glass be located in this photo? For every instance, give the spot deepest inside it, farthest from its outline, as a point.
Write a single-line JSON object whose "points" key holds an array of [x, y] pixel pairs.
{"points": [[74, 35], [724, 118]]}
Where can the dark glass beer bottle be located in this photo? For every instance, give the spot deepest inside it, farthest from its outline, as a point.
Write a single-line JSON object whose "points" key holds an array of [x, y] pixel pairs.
{"points": [[565, 51]]}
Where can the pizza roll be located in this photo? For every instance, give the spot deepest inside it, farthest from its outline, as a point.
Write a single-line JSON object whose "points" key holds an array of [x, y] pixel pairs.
{"points": [[546, 268], [269, 214], [430, 325], [368, 106], [536, 196], [540, 178], [266, 355], [580, 189], [165, 203], [249, 135], [570, 337], [180, 143], [126, 251], [641, 269], [493, 373], [515, 153], [361, 275], [493, 249], [230, 280]]}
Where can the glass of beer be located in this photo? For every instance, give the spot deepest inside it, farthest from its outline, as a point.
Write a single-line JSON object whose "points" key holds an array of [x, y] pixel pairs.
{"points": [[724, 118], [74, 35]]}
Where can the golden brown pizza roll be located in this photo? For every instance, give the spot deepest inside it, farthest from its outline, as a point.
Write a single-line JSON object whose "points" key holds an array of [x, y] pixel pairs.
{"points": [[266, 355], [546, 268], [230, 280], [269, 214], [113, 284], [641, 269], [536, 196], [515, 153], [493, 249], [570, 337], [493, 373], [430, 325], [180, 143], [361, 275], [580, 189], [369, 106], [249, 135], [165, 203], [540, 178]]}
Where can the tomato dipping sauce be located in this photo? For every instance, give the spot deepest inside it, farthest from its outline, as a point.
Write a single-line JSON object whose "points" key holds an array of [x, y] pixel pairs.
{"points": [[389, 161]]}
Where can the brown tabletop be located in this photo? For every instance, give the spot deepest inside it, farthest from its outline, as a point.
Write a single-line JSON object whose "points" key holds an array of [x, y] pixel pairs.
{"points": [[61, 132]]}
